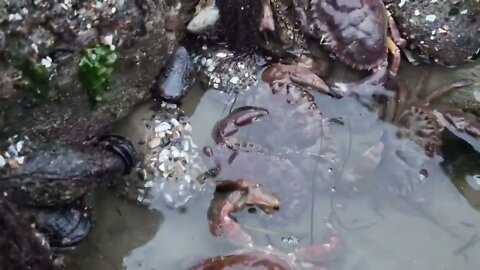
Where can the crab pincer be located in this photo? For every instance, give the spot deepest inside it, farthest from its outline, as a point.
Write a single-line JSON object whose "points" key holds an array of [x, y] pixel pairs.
{"points": [[242, 116], [299, 75], [234, 196]]}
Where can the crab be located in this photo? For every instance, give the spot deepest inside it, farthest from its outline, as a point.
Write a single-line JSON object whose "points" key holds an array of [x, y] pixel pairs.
{"points": [[415, 116], [416, 127], [356, 33], [234, 196], [218, 64]]}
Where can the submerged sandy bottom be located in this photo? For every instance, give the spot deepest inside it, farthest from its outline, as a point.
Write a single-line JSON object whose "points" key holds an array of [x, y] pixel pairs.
{"points": [[436, 229]]}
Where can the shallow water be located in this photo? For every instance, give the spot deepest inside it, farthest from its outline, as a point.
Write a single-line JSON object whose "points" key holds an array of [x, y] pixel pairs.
{"points": [[437, 227]]}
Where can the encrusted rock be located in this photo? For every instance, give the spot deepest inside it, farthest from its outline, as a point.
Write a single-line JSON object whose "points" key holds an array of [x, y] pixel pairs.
{"points": [[42, 91], [445, 31]]}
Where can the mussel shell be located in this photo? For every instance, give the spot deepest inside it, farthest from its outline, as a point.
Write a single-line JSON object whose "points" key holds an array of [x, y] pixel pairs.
{"points": [[64, 227]]}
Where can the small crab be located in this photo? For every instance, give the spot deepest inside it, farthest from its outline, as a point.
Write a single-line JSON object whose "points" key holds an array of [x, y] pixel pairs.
{"points": [[234, 196], [356, 32], [270, 140], [416, 128], [414, 115]]}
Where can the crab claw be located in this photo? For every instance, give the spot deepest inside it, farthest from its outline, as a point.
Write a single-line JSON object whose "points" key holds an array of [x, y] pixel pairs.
{"points": [[323, 252], [234, 196], [243, 116], [204, 19], [299, 75], [267, 22]]}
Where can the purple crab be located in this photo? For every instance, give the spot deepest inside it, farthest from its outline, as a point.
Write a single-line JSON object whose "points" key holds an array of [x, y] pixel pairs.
{"points": [[355, 32]]}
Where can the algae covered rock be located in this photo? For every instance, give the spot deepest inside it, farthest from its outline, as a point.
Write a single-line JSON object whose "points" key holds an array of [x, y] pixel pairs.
{"points": [[70, 68]]}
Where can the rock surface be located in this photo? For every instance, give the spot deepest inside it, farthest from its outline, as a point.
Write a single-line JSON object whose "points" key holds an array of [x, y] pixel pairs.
{"points": [[433, 28], [42, 46]]}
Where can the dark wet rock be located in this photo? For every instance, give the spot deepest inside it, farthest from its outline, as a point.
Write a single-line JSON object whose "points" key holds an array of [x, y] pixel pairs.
{"points": [[177, 78], [446, 32], [45, 43], [20, 247], [54, 174]]}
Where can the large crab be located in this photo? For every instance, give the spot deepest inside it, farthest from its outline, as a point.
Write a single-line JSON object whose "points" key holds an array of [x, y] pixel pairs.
{"points": [[234, 196], [355, 32]]}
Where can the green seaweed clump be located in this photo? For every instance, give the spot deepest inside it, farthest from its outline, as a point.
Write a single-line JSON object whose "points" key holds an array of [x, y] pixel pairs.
{"points": [[94, 69], [36, 78]]}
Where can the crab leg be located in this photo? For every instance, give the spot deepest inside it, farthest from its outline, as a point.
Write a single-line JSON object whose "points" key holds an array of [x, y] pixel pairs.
{"points": [[395, 51], [397, 38], [445, 89], [365, 87], [234, 196], [321, 253], [267, 22], [393, 44], [296, 74]]}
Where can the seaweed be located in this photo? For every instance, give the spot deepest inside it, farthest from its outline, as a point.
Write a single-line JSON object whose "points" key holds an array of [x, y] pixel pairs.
{"points": [[94, 69], [20, 248]]}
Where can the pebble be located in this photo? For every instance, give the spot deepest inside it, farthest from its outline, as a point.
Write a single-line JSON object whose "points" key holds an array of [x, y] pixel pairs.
{"points": [[164, 126], [177, 78], [2, 161], [154, 143]]}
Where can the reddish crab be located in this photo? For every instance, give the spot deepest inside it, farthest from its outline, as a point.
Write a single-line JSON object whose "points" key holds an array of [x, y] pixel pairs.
{"points": [[414, 115], [356, 32], [234, 196], [417, 127]]}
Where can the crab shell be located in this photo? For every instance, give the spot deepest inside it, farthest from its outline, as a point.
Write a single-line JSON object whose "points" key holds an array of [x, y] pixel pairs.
{"points": [[355, 30]]}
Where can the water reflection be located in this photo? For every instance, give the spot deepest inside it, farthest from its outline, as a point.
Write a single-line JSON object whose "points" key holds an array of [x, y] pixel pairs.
{"points": [[434, 227], [120, 227], [462, 164]]}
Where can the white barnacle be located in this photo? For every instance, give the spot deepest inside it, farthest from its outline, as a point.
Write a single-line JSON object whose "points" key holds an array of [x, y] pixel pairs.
{"points": [[2, 161], [234, 80], [430, 18], [164, 126]]}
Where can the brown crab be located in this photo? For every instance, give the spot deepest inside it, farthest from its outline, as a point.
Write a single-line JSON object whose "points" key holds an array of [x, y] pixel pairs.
{"points": [[356, 32], [234, 196], [414, 116], [416, 128]]}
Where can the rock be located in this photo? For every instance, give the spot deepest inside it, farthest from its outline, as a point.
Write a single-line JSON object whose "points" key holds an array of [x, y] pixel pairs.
{"points": [[70, 69], [466, 99], [177, 78], [445, 31]]}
